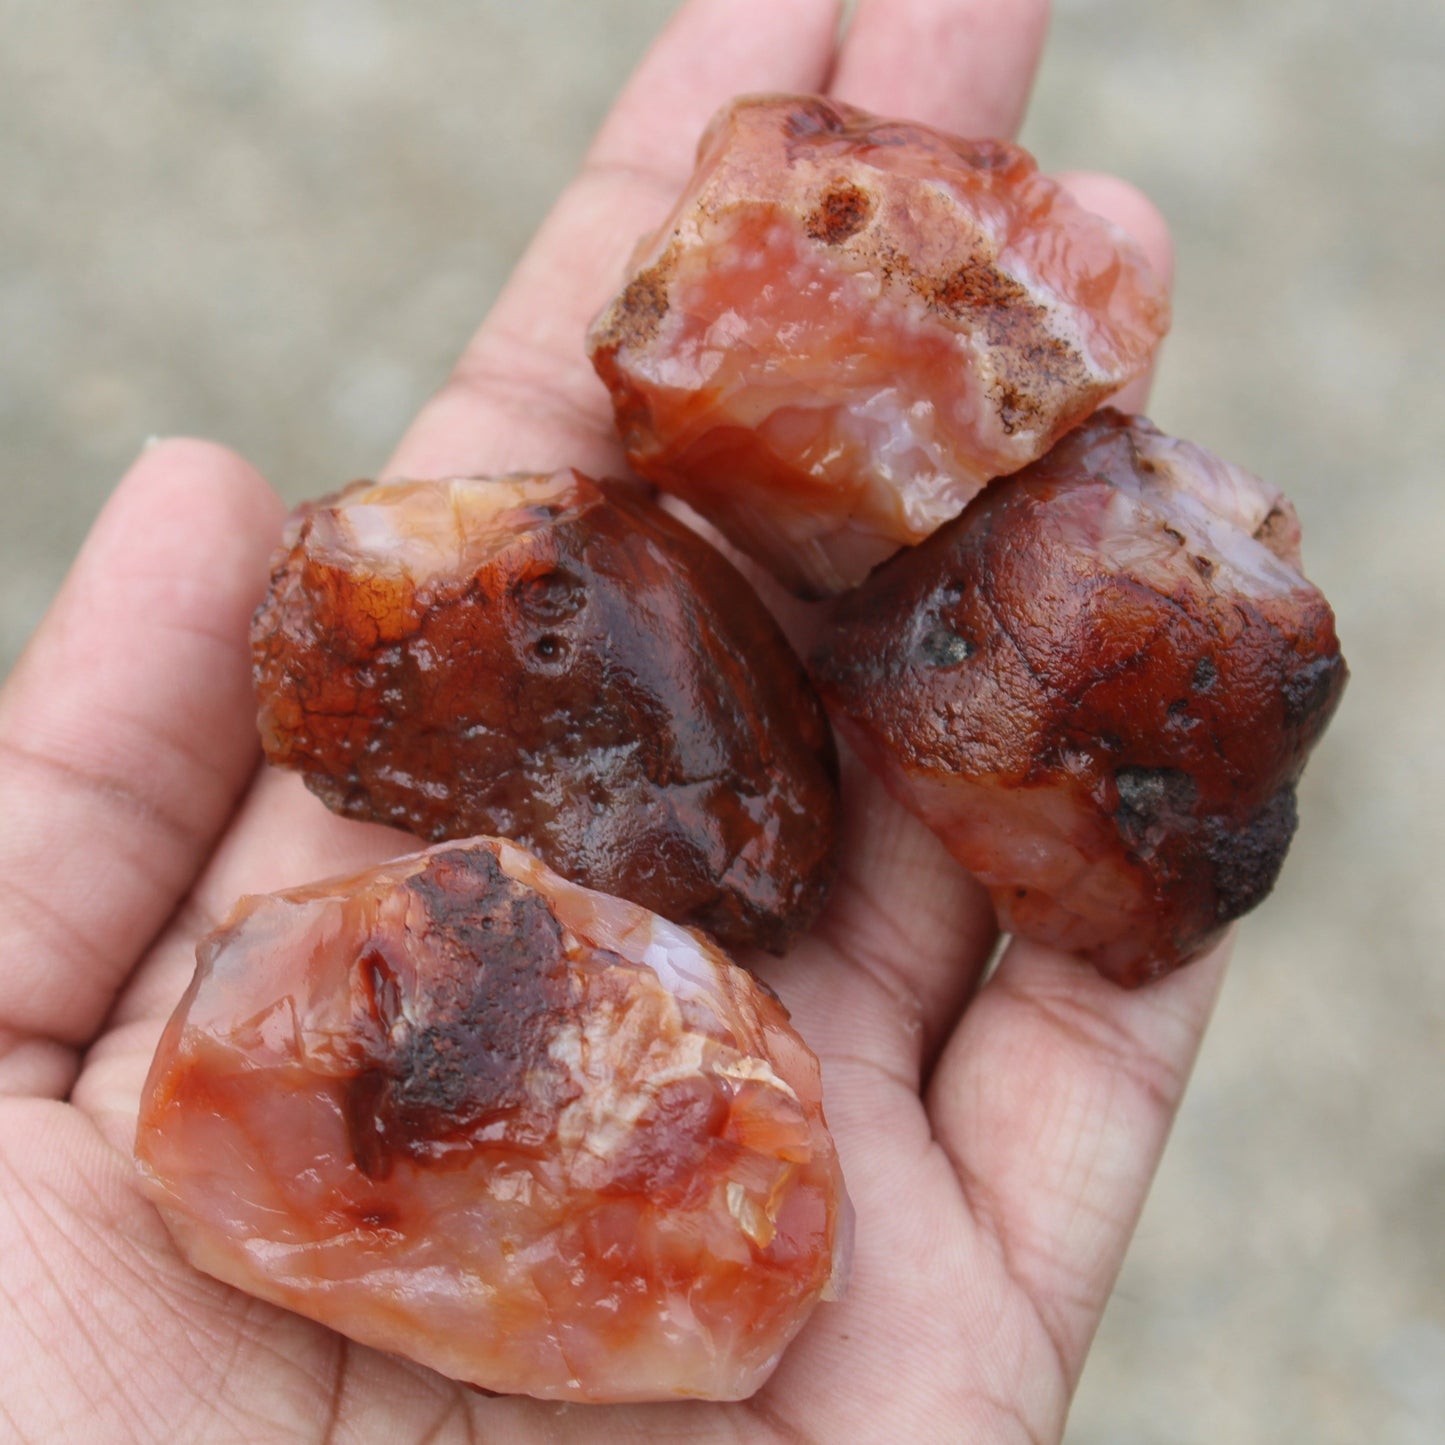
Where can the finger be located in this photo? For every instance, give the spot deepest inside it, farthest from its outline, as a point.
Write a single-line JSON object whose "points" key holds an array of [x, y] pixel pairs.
{"points": [[963, 65], [126, 734], [303, 842], [523, 396], [1053, 1100], [281, 836], [879, 983], [712, 51], [1135, 214]]}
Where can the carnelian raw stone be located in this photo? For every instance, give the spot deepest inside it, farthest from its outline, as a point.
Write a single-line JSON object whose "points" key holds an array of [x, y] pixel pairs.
{"points": [[560, 662], [1099, 686], [848, 325], [534, 1137]]}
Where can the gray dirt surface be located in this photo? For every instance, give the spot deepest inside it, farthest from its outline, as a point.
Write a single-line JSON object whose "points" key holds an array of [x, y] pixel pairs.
{"points": [[276, 223]]}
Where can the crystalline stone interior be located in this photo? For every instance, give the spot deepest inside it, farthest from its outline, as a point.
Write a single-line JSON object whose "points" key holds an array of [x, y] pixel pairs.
{"points": [[848, 325], [534, 1137]]}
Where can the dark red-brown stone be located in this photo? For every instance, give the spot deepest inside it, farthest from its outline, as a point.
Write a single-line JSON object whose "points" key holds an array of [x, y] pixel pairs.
{"points": [[1100, 685], [562, 663]]}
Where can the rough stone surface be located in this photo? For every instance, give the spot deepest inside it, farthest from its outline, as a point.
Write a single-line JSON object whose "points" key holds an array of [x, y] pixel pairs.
{"points": [[562, 663], [1098, 686], [848, 324], [535, 1137], [284, 220]]}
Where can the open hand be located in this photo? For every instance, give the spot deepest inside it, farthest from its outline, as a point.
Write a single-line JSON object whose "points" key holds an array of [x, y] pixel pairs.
{"points": [[998, 1137]]}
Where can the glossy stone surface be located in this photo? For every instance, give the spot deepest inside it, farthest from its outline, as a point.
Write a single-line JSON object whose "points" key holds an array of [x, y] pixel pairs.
{"points": [[561, 663], [536, 1138], [1099, 686], [848, 325]]}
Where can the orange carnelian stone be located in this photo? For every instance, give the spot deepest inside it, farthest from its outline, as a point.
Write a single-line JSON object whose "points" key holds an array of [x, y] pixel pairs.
{"points": [[848, 325], [536, 1138]]}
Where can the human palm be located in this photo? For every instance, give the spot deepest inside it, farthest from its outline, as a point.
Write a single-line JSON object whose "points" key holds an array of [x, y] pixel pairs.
{"points": [[998, 1137]]}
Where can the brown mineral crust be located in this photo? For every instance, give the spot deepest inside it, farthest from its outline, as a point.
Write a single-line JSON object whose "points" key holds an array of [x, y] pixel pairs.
{"points": [[848, 325], [558, 662], [498, 994], [1099, 692], [532, 1136]]}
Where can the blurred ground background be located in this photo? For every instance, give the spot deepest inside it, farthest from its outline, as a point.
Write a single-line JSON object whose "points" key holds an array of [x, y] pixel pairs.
{"points": [[276, 223]]}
